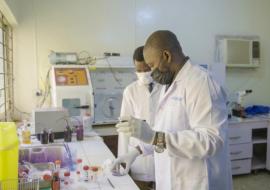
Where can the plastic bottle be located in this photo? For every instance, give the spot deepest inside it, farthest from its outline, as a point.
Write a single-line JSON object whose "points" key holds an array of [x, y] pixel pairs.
{"points": [[55, 181], [123, 142], [26, 134]]}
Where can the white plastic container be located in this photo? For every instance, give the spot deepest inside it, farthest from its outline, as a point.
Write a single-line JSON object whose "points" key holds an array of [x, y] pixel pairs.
{"points": [[123, 142]]}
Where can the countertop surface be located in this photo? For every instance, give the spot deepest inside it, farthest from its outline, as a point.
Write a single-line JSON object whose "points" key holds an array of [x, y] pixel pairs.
{"points": [[94, 152], [258, 118]]}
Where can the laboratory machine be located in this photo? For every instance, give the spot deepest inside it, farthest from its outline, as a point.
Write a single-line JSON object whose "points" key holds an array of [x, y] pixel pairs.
{"points": [[108, 87], [94, 90], [72, 89]]}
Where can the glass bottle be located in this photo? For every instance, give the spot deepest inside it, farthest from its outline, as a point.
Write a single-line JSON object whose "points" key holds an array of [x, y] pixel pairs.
{"points": [[44, 137], [26, 134], [51, 136], [67, 134], [79, 132]]}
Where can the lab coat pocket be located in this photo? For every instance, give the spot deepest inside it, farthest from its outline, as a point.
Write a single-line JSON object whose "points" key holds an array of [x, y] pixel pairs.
{"points": [[192, 184], [175, 101], [175, 114], [189, 174]]}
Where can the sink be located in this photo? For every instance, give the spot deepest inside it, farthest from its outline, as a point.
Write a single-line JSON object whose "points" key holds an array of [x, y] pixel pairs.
{"points": [[47, 153]]}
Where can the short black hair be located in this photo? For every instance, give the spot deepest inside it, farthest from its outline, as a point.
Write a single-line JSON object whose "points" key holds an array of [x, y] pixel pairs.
{"points": [[138, 54], [164, 40]]}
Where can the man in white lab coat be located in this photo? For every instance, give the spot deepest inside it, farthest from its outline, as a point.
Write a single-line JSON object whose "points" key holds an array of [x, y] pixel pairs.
{"points": [[190, 128], [136, 100]]}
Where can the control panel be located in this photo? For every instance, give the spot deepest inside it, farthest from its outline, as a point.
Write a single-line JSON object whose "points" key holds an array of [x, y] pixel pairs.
{"points": [[70, 77]]}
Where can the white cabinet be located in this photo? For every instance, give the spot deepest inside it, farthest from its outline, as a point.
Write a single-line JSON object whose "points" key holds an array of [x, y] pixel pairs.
{"points": [[249, 145], [241, 166], [241, 151], [239, 134]]}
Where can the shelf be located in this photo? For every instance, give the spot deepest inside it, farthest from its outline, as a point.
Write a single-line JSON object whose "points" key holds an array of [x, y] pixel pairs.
{"points": [[259, 156], [242, 65], [258, 163], [259, 136], [259, 140]]}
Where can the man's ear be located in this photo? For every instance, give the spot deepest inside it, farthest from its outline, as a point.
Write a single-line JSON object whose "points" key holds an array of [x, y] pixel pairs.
{"points": [[167, 56]]}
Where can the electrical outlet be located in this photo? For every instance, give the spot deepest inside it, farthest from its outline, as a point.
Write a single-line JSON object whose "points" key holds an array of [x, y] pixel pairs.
{"points": [[39, 92]]}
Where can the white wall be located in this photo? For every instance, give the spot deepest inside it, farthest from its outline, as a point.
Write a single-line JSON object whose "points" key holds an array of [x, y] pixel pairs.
{"points": [[196, 24], [120, 26], [13, 5]]}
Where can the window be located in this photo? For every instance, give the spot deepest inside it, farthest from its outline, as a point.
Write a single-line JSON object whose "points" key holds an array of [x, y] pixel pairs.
{"points": [[6, 70]]}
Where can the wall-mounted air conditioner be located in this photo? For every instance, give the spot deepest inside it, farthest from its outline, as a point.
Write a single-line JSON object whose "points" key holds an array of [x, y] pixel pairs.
{"points": [[239, 51]]}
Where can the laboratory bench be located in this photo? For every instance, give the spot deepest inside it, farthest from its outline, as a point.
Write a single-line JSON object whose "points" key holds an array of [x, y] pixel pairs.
{"points": [[94, 152], [248, 138]]}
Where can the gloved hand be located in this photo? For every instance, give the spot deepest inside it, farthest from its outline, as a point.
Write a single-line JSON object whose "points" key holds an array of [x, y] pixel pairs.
{"points": [[137, 128], [128, 159]]}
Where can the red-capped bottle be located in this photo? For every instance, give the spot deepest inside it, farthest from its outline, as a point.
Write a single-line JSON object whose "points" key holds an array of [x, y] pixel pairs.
{"points": [[55, 181]]}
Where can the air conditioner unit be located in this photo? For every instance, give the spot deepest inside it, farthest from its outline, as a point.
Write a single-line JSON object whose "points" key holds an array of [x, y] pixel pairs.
{"points": [[239, 52]]}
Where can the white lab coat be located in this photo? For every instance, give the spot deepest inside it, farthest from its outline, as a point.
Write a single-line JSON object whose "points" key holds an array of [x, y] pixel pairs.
{"points": [[136, 103], [193, 114]]}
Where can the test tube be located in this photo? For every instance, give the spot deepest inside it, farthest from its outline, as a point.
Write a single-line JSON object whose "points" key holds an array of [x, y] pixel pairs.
{"points": [[79, 168], [85, 173], [57, 165], [94, 171], [67, 178], [78, 174]]}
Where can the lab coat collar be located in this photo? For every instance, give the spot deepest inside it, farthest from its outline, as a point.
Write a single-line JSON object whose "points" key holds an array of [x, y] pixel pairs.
{"points": [[183, 72], [155, 88], [179, 77]]}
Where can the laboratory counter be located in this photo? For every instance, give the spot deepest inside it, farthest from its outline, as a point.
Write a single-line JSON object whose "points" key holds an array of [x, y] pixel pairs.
{"points": [[93, 152]]}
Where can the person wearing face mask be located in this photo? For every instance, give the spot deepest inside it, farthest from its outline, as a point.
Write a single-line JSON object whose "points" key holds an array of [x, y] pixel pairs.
{"points": [[137, 98], [189, 134]]}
